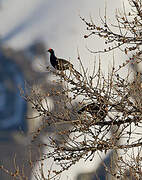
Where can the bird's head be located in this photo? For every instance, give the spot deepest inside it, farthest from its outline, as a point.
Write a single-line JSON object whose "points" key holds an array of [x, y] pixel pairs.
{"points": [[51, 51]]}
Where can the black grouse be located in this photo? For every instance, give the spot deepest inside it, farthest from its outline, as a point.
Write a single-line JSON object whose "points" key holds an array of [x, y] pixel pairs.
{"points": [[57, 63], [97, 110], [61, 64]]}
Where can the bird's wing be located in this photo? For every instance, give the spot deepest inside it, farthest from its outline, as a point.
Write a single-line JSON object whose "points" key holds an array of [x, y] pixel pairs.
{"points": [[63, 61]]}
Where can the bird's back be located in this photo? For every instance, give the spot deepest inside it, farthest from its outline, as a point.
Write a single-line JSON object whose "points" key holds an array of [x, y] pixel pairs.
{"points": [[63, 64]]}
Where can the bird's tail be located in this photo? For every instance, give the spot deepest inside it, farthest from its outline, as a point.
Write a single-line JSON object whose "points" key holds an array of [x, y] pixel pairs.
{"points": [[76, 73]]}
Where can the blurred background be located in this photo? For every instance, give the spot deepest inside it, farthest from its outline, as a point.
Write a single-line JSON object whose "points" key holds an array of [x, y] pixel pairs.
{"points": [[27, 30]]}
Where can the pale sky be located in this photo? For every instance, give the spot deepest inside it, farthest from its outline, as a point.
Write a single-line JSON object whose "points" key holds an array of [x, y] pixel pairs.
{"points": [[56, 22]]}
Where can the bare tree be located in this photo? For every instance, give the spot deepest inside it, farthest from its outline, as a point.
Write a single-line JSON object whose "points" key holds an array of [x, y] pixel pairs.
{"points": [[111, 104]]}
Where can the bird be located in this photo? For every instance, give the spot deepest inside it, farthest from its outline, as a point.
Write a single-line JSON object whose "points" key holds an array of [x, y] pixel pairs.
{"points": [[61, 64], [58, 63], [97, 110]]}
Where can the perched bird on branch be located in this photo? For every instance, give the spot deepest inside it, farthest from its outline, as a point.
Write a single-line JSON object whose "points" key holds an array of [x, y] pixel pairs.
{"points": [[61, 64], [97, 110]]}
